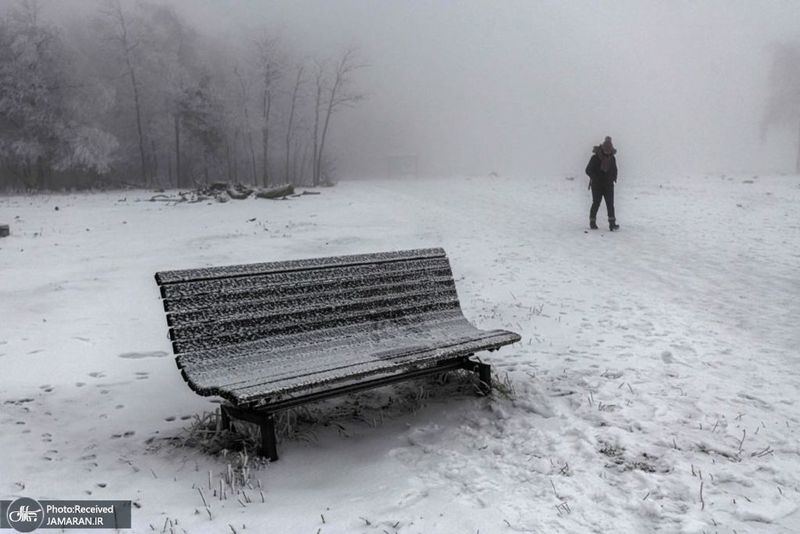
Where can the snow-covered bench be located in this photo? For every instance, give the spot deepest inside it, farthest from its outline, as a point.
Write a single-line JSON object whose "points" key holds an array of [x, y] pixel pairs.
{"points": [[269, 336]]}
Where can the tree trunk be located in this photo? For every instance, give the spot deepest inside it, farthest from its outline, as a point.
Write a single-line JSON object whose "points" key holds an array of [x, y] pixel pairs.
{"points": [[248, 131], [322, 142], [235, 156], [138, 122], [135, 86], [252, 157], [154, 168], [299, 150], [228, 158], [297, 82], [314, 169], [331, 104], [178, 174], [304, 164], [265, 137]]}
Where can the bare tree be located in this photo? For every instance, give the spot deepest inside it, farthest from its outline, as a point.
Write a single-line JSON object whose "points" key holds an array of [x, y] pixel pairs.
{"points": [[117, 15], [298, 82], [178, 172], [249, 134], [319, 80], [270, 75], [783, 106], [339, 95]]}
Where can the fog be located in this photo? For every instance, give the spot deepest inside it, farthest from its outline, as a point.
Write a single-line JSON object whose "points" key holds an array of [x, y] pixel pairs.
{"points": [[526, 88]]}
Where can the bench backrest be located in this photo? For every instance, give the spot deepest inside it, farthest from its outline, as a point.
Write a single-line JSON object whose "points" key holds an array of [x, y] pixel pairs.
{"points": [[219, 306]]}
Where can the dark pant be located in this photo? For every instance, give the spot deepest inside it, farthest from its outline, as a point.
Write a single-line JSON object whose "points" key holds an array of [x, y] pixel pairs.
{"points": [[600, 191]]}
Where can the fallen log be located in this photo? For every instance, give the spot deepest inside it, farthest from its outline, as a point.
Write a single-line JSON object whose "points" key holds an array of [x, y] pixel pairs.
{"points": [[239, 192], [277, 192], [161, 198]]}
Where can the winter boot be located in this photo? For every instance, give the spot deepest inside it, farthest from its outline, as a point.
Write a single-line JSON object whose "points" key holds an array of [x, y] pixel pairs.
{"points": [[612, 225], [593, 224]]}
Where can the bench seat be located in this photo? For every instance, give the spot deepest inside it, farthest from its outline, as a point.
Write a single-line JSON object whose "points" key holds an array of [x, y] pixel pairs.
{"points": [[284, 365]]}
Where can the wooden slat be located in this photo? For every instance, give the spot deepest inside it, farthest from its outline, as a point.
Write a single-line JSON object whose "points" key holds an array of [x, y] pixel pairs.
{"points": [[232, 334], [300, 290], [320, 336], [352, 275], [334, 312], [210, 273], [263, 302]]}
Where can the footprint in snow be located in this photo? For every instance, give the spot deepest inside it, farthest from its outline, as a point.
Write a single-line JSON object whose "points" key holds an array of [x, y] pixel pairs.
{"points": [[139, 355], [755, 401], [667, 357], [18, 402]]}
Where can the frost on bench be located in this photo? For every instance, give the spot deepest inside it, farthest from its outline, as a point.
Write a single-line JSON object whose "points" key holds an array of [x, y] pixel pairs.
{"points": [[265, 331]]}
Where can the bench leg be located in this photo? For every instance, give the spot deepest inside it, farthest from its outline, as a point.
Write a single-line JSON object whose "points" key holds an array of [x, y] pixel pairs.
{"points": [[269, 447], [224, 418], [485, 376], [484, 372]]}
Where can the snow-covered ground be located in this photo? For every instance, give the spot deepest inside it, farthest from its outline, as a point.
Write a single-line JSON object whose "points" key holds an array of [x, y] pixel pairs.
{"points": [[655, 361]]}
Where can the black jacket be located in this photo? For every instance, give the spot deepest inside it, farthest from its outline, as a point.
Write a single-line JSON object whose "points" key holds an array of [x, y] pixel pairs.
{"points": [[597, 175]]}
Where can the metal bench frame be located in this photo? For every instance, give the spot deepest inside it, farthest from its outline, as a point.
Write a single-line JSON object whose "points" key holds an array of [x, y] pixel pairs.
{"points": [[264, 417]]}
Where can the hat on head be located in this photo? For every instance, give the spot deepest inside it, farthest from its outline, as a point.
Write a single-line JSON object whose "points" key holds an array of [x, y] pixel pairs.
{"points": [[608, 146]]}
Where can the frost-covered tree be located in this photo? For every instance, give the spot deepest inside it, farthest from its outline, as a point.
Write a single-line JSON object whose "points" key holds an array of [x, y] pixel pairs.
{"points": [[136, 94], [42, 124]]}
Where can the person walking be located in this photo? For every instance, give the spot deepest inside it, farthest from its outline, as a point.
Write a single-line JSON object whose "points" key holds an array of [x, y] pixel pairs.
{"points": [[602, 172]]}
